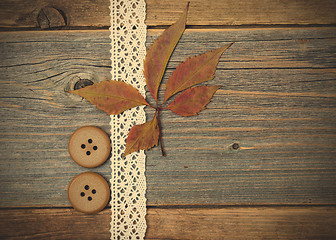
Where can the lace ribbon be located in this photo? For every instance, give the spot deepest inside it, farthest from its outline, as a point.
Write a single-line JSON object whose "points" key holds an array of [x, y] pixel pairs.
{"points": [[128, 182]]}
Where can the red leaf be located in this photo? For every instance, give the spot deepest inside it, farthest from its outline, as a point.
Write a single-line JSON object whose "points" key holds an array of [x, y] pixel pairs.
{"points": [[144, 136], [192, 100], [158, 54], [113, 97], [193, 71]]}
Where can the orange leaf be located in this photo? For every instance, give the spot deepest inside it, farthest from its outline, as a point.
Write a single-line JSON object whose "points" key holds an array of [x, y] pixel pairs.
{"points": [[193, 71], [192, 100], [144, 136], [113, 97], [158, 54]]}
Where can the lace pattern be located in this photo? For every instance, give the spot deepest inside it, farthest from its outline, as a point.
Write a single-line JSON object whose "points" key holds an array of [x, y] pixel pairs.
{"points": [[128, 182]]}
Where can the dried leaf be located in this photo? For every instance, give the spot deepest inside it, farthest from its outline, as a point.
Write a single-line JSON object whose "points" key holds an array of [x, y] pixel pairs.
{"points": [[144, 136], [193, 71], [113, 97], [158, 54], [192, 100]]}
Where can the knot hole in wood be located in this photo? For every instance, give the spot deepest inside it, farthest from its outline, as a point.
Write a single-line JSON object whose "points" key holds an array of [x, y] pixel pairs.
{"points": [[81, 83], [80, 80], [51, 18]]}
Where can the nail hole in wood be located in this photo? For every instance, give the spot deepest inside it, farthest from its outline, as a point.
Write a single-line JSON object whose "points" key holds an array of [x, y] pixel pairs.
{"points": [[235, 146], [82, 83]]}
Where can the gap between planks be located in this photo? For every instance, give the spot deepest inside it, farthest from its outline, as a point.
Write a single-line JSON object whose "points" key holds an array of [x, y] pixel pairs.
{"points": [[184, 206], [199, 28], [189, 28]]}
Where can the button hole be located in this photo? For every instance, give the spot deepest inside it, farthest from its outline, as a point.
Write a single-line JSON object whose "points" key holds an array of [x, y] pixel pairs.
{"points": [[86, 187], [82, 194], [88, 153], [93, 191], [90, 198], [83, 146], [90, 140], [95, 148]]}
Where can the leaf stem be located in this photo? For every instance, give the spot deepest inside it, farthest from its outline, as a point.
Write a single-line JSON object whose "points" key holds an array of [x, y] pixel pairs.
{"points": [[151, 106], [163, 108], [160, 131]]}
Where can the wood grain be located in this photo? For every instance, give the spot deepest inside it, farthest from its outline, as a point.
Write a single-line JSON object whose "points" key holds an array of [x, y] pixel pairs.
{"points": [[86, 13], [182, 223], [277, 102]]}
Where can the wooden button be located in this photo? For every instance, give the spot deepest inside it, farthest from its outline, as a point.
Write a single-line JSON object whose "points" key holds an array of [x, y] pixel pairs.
{"points": [[88, 192], [89, 146]]}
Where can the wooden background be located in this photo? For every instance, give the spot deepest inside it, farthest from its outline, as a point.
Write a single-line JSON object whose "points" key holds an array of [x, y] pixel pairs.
{"points": [[277, 103]]}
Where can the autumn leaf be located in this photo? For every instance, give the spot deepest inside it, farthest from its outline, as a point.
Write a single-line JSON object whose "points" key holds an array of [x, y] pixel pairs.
{"points": [[144, 136], [193, 71], [193, 100], [113, 97], [158, 54]]}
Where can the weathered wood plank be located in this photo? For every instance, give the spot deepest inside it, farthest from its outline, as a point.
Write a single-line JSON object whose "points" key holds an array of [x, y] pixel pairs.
{"points": [[278, 102], [86, 13], [184, 223]]}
